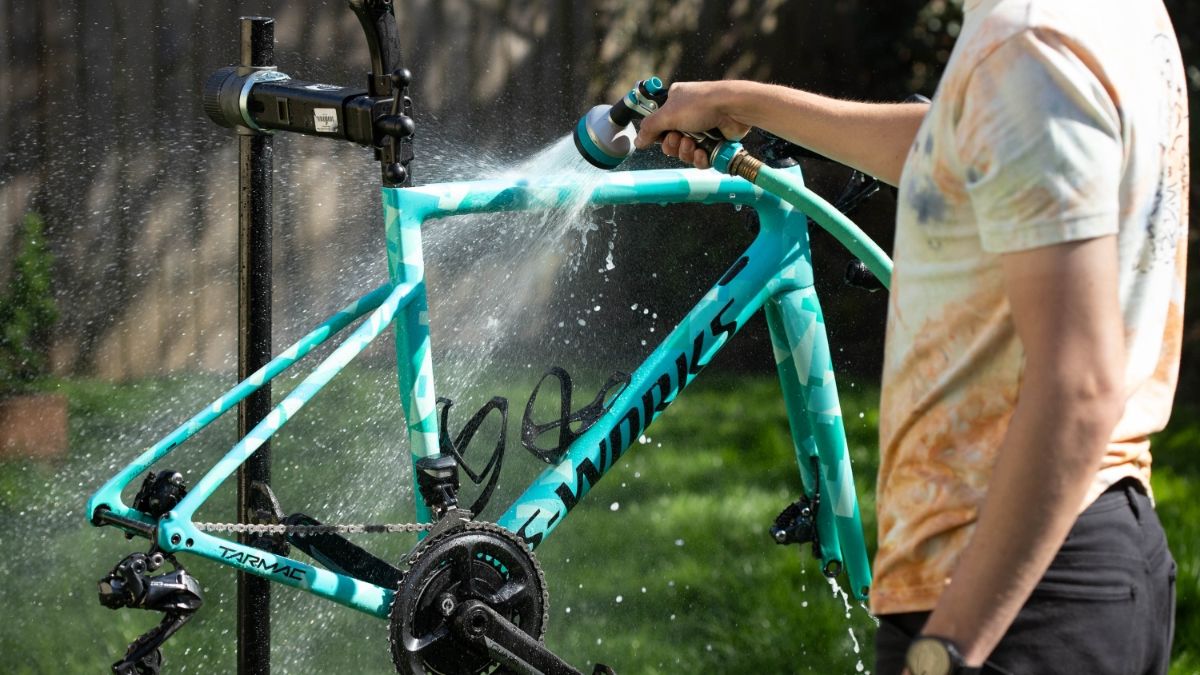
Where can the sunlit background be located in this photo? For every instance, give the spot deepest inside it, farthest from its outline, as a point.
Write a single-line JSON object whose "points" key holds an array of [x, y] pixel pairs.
{"points": [[103, 143]]}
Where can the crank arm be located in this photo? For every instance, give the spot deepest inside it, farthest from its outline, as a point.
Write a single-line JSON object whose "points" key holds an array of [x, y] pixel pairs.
{"points": [[478, 625]]}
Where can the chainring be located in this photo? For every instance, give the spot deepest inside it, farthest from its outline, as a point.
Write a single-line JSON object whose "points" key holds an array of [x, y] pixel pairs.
{"points": [[477, 561]]}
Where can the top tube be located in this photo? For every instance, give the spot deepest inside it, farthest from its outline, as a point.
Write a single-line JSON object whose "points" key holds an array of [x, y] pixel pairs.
{"points": [[618, 187]]}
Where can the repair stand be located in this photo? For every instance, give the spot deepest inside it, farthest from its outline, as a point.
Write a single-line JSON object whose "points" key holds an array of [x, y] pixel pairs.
{"points": [[255, 167]]}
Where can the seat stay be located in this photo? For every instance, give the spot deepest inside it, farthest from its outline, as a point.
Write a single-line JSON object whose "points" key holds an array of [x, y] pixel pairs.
{"points": [[108, 497]]}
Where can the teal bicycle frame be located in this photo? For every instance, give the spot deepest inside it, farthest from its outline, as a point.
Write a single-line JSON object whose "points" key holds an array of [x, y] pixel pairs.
{"points": [[775, 273]]}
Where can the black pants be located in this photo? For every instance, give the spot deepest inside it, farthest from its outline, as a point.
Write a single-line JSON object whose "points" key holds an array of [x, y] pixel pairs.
{"points": [[1105, 606]]}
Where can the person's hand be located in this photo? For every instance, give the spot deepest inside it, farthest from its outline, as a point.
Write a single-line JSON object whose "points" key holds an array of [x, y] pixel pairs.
{"points": [[695, 107]]}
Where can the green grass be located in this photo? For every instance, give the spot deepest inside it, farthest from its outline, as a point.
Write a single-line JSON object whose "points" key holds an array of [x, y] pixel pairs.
{"points": [[701, 587]]}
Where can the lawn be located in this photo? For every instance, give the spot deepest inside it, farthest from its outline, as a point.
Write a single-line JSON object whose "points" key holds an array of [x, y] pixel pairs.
{"points": [[666, 568]]}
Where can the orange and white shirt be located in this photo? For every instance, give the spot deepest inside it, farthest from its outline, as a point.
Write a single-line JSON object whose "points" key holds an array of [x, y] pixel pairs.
{"points": [[1055, 121]]}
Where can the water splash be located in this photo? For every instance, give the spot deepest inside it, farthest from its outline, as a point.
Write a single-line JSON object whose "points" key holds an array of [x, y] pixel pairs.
{"points": [[494, 279]]}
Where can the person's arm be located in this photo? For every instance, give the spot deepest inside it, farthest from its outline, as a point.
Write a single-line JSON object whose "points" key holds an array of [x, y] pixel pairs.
{"points": [[1066, 312], [871, 137]]}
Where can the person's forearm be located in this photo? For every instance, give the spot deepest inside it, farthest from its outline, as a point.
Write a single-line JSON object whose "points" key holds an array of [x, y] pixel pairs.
{"points": [[1045, 466], [871, 137]]}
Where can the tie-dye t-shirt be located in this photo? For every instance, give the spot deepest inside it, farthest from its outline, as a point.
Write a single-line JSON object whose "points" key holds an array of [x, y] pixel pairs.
{"points": [[1055, 121]]}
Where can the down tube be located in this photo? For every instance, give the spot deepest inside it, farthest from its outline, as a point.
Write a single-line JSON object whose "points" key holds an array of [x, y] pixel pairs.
{"points": [[655, 384], [806, 373]]}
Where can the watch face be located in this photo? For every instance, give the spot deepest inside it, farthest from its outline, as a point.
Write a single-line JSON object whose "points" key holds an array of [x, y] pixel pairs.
{"points": [[927, 656]]}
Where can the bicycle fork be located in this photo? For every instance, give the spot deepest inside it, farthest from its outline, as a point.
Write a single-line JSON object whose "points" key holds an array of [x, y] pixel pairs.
{"points": [[829, 516]]}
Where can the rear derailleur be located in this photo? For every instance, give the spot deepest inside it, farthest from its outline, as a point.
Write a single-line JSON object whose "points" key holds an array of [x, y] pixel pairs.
{"points": [[176, 594]]}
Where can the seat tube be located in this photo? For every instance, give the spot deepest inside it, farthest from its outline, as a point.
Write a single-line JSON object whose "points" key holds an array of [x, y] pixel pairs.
{"points": [[406, 264], [802, 357]]}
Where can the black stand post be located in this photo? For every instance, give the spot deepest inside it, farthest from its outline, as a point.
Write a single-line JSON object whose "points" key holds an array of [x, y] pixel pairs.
{"points": [[255, 167]]}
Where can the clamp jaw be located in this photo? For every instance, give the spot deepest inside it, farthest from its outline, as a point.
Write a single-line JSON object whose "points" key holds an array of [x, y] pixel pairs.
{"points": [[379, 116]]}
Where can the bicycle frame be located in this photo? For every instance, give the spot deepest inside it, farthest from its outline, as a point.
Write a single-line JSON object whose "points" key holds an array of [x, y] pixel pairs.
{"points": [[774, 272]]}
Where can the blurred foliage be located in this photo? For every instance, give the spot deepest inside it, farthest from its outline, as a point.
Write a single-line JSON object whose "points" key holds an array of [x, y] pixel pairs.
{"points": [[930, 40], [27, 310]]}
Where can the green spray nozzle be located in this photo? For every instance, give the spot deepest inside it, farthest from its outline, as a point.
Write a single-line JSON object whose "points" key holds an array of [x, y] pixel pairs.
{"points": [[604, 136]]}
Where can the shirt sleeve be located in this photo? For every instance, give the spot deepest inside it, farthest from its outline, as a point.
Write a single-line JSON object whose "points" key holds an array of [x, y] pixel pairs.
{"points": [[1040, 143]]}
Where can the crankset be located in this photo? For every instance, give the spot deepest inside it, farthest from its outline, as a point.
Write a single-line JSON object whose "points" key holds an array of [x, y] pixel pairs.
{"points": [[473, 600]]}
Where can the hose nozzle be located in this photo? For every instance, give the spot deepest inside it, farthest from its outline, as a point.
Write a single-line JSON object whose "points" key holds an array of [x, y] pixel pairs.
{"points": [[604, 136]]}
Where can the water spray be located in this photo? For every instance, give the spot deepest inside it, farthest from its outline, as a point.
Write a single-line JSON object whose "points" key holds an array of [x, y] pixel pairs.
{"points": [[604, 136]]}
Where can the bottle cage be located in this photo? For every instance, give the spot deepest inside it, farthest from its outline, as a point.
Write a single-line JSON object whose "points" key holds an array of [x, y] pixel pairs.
{"points": [[458, 447], [570, 425]]}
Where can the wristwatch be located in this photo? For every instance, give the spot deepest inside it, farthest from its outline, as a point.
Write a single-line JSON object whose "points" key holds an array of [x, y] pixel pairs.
{"points": [[930, 655]]}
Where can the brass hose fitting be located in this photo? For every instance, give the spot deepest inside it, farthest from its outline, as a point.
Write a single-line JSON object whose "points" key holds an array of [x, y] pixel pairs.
{"points": [[745, 165]]}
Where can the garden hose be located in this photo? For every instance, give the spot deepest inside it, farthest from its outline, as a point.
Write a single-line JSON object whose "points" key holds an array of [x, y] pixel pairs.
{"points": [[604, 136], [731, 158]]}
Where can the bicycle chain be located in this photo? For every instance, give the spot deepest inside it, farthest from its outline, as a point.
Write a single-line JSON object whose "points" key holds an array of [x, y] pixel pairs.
{"points": [[357, 528]]}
